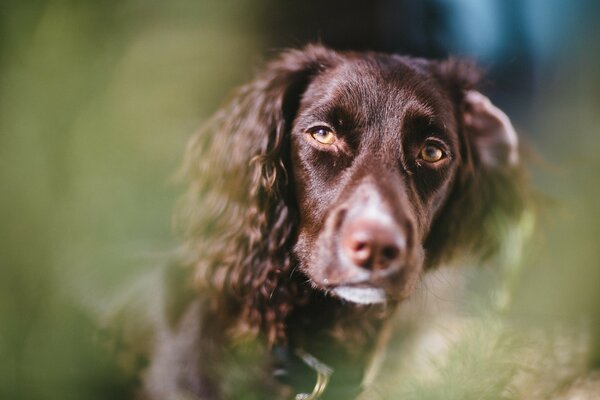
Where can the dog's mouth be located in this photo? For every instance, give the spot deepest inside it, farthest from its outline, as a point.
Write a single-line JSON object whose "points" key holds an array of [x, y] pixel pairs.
{"points": [[377, 288], [361, 294]]}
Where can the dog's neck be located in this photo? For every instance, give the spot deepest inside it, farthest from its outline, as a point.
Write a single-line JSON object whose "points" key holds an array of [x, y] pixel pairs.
{"points": [[338, 334]]}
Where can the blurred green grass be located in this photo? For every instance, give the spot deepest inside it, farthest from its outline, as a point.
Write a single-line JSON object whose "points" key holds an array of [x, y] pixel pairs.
{"points": [[97, 100]]}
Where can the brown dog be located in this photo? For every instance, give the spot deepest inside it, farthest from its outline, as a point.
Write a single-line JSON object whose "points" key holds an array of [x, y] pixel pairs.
{"points": [[318, 197]]}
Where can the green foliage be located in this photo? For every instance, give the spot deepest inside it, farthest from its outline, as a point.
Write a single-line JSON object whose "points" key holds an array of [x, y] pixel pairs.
{"points": [[97, 99]]}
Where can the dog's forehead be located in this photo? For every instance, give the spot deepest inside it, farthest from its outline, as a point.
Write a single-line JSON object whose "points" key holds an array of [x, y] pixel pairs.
{"points": [[377, 88]]}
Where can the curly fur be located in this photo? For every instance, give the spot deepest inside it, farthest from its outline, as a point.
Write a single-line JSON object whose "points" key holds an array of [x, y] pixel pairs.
{"points": [[238, 214]]}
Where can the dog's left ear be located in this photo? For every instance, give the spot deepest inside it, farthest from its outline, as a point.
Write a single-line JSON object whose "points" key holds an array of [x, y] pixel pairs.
{"points": [[490, 137], [490, 190], [490, 131]]}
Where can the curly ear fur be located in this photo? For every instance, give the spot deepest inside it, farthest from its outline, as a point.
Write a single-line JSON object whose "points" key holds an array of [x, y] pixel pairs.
{"points": [[238, 215], [489, 195]]}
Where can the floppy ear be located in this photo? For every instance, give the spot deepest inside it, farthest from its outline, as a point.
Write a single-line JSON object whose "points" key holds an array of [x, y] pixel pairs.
{"points": [[486, 130], [490, 131], [490, 191], [238, 215]]}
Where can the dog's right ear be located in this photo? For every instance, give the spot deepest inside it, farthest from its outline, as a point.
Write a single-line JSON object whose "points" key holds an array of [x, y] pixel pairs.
{"points": [[237, 168], [253, 125]]}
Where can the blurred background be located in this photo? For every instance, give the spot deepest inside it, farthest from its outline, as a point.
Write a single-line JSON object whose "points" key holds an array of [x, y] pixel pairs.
{"points": [[98, 98]]}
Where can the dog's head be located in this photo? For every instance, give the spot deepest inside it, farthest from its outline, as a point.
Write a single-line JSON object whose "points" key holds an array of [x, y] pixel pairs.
{"points": [[377, 144], [366, 168]]}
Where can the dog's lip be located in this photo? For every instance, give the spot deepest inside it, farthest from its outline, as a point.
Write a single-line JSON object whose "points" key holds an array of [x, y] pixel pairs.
{"points": [[361, 294], [362, 278]]}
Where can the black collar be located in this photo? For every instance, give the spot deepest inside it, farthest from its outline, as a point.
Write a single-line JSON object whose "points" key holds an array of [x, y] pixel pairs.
{"points": [[310, 377]]}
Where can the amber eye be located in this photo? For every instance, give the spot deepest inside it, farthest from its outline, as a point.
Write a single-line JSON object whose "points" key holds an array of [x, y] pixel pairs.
{"points": [[431, 153], [322, 135]]}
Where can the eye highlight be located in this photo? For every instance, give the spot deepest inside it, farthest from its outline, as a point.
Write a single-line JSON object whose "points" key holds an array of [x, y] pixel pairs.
{"points": [[322, 134], [432, 153]]}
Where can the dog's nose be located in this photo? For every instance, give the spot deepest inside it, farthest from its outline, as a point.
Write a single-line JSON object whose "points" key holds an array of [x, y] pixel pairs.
{"points": [[372, 245]]}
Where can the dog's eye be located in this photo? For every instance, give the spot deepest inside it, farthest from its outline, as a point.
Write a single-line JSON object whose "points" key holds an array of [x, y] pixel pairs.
{"points": [[431, 153], [322, 135]]}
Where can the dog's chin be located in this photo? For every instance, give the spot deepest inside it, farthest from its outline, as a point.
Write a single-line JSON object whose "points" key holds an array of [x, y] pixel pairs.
{"points": [[361, 295]]}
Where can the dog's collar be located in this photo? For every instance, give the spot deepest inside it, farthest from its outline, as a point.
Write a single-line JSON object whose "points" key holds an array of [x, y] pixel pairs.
{"points": [[290, 361], [323, 374]]}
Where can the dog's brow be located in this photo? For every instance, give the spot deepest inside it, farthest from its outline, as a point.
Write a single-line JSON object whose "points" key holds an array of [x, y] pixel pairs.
{"points": [[416, 109]]}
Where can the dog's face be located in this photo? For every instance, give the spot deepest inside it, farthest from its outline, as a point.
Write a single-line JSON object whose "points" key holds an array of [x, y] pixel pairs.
{"points": [[375, 149], [357, 169]]}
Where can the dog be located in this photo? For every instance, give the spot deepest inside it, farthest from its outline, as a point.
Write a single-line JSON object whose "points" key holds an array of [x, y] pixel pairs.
{"points": [[319, 195]]}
